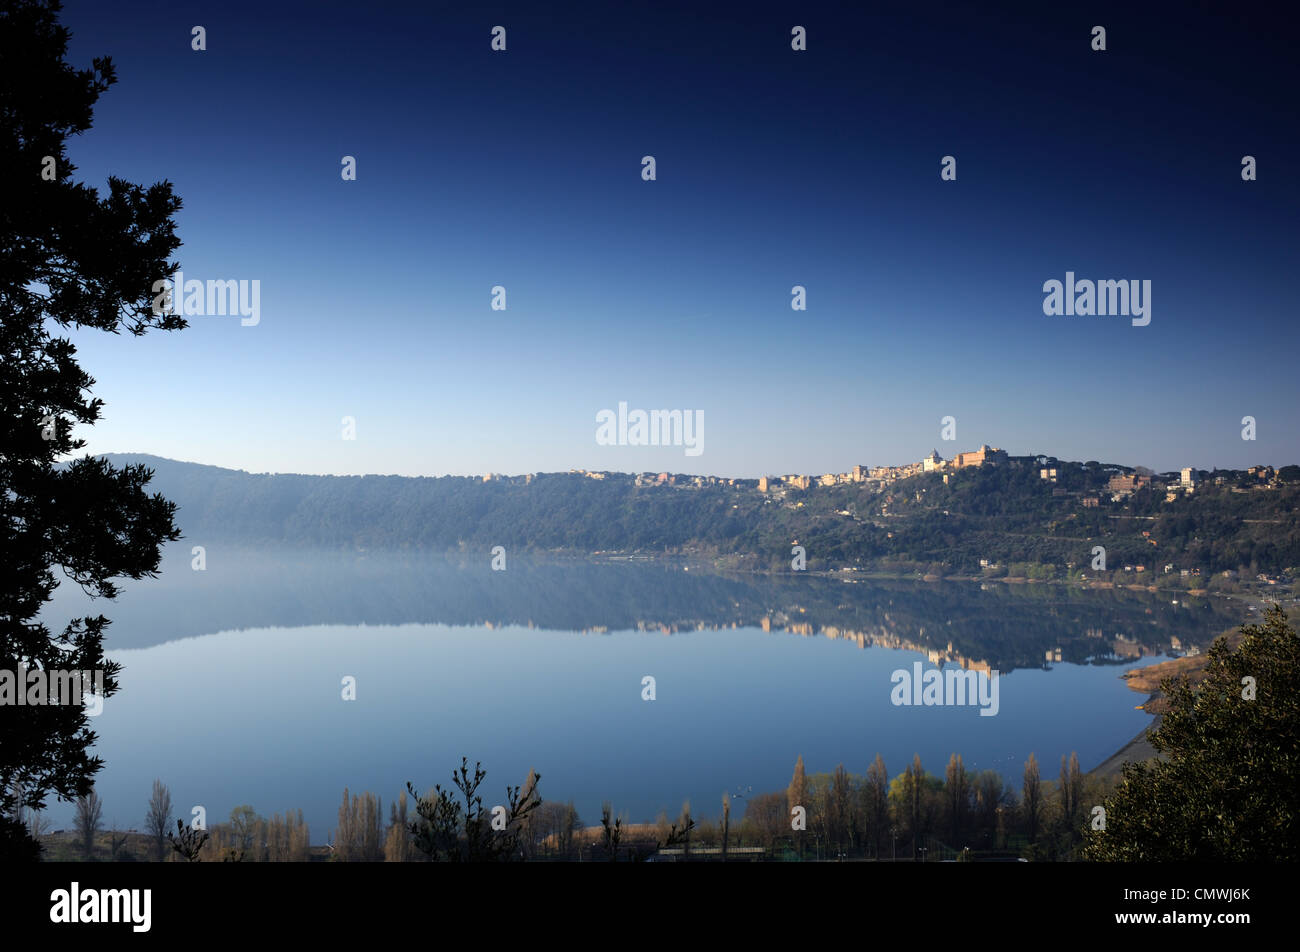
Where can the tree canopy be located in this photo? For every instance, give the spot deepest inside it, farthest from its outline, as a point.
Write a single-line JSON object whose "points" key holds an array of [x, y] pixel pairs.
{"points": [[1226, 789], [69, 258]]}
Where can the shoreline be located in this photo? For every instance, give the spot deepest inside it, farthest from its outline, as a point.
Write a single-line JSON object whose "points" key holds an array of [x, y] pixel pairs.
{"points": [[1258, 596], [1137, 750]]}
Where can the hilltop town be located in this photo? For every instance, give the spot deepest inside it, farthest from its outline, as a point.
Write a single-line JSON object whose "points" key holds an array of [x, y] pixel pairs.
{"points": [[1120, 483], [902, 501], [982, 513]]}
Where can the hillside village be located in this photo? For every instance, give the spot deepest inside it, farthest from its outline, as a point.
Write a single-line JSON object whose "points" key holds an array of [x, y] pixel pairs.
{"points": [[1121, 483], [983, 512], [1088, 486]]}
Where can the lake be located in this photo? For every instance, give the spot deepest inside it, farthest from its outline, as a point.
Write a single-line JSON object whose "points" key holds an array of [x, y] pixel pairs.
{"points": [[234, 676]]}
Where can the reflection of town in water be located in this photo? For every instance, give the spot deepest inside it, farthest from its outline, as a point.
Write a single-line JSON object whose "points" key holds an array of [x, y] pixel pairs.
{"points": [[976, 626]]}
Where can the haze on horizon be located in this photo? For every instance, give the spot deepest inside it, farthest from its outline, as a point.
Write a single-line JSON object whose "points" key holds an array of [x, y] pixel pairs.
{"points": [[774, 168]]}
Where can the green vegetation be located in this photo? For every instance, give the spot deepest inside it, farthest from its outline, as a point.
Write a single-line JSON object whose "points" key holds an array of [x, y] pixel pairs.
{"points": [[1226, 788], [1004, 515], [918, 816]]}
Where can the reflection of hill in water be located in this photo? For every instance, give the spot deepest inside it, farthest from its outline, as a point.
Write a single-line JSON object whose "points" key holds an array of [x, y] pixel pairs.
{"points": [[1003, 627]]}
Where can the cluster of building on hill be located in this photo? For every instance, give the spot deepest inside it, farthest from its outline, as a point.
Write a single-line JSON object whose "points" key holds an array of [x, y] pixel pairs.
{"points": [[640, 479], [1174, 485], [1123, 485], [883, 475], [675, 479], [1120, 485]]}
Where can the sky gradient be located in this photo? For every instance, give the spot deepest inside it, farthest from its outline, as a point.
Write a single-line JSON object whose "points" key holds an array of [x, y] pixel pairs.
{"points": [[775, 168]]}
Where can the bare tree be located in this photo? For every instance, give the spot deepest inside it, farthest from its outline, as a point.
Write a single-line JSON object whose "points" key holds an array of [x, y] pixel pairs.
{"points": [[115, 842], [245, 828], [990, 798], [679, 833], [726, 821], [1071, 790], [916, 805], [568, 829], [90, 815], [843, 826], [158, 819], [875, 803], [360, 835], [28, 817], [957, 800], [556, 824], [765, 814], [397, 844], [820, 810], [38, 824], [797, 794], [612, 831], [1032, 797], [662, 826]]}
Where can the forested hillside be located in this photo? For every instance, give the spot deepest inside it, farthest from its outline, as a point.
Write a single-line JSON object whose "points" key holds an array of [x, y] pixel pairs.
{"points": [[1006, 516]]}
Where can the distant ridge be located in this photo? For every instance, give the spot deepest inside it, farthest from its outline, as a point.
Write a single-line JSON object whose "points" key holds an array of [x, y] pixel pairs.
{"points": [[1024, 517]]}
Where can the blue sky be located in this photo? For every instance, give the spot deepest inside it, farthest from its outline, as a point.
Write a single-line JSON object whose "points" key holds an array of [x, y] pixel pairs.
{"points": [[775, 168]]}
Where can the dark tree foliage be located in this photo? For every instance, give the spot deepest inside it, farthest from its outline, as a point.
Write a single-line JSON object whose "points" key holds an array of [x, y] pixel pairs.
{"points": [[69, 258], [448, 831], [1227, 790], [612, 832], [188, 842], [18, 844], [679, 834]]}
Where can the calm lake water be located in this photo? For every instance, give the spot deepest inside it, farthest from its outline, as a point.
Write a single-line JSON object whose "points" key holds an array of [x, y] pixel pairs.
{"points": [[232, 685]]}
